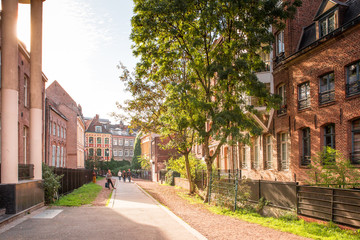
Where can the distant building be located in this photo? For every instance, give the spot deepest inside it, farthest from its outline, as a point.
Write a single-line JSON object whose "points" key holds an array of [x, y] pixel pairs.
{"points": [[63, 142], [151, 149], [123, 142], [98, 139]]}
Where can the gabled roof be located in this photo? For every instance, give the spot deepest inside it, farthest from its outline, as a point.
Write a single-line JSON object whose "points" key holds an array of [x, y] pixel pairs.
{"points": [[94, 123], [326, 6], [351, 16]]}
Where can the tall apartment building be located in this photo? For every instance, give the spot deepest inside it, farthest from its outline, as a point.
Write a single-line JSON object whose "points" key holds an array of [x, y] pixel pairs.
{"points": [[316, 71]]}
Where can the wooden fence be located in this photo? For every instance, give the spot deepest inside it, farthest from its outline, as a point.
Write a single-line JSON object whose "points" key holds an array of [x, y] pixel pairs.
{"points": [[338, 205], [73, 178]]}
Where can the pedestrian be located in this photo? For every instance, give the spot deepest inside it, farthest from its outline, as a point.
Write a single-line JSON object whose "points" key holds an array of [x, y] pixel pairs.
{"points": [[108, 178], [124, 175], [119, 175], [129, 175]]}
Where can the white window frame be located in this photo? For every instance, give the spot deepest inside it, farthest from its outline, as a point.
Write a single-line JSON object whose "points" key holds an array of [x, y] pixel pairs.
{"points": [[121, 142], [115, 153], [26, 91], [53, 163], [284, 148], [58, 157], [126, 142], [268, 152], [280, 43], [120, 153], [98, 129], [25, 143]]}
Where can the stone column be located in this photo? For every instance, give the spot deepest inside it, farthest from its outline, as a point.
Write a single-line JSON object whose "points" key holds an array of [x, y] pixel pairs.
{"points": [[9, 92], [36, 83]]}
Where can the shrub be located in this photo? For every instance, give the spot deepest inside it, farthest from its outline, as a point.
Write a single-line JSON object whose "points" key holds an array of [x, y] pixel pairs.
{"points": [[178, 165], [51, 183], [169, 177]]}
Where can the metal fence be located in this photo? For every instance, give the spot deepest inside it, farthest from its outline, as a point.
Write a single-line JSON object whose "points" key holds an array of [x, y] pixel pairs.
{"points": [[142, 174], [73, 178], [25, 171]]}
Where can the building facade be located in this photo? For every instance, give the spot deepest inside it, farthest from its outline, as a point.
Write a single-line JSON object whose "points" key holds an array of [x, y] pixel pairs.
{"points": [[123, 142], [64, 104], [98, 140], [80, 142], [316, 67]]}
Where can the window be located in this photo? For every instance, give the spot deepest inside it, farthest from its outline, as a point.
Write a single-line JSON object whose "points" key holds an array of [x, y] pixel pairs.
{"points": [[121, 142], [326, 25], [245, 157], [265, 57], [282, 93], [268, 152], [126, 153], [98, 152], [353, 79], [327, 92], [58, 130], [131, 142], [355, 137], [106, 140], [284, 151], [256, 153], [58, 157], [50, 129], [306, 147], [98, 140], [120, 153], [106, 152], [304, 95], [115, 153], [62, 157], [280, 46], [131, 153], [62, 132], [126, 142], [115, 141], [25, 133], [329, 135], [26, 91], [91, 140], [98, 129], [54, 129], [53, 155], [91, 152]]}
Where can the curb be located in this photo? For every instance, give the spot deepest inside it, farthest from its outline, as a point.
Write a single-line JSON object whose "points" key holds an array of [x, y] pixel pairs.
{"points": [[193, 231]]}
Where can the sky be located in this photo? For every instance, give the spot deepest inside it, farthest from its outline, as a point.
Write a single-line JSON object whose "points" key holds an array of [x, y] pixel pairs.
{"points": [[83, 41]]}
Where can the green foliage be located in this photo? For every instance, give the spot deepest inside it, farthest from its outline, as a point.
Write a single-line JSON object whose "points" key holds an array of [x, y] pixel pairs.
{"points": [[135, 164], [261, 204], [330, 168], [178, 165], [86, 194], [169, 177], [51, 183], [145, 163]]}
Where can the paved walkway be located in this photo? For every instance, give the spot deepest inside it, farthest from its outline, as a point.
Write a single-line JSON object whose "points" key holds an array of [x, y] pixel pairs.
{"points": [[131, 214]]}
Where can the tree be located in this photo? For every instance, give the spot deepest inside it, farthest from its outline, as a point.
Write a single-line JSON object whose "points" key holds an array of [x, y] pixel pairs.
{"points": [[219, 42], [135, 164], [330, 168]]}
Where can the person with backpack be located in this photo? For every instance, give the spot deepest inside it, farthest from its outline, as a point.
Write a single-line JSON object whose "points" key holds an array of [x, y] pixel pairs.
{"points": [[129, 175], [108, 179]]}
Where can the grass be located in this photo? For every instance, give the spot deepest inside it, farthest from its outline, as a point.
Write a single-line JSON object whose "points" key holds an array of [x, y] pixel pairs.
{"points": [[81, 196], [285, 224]]}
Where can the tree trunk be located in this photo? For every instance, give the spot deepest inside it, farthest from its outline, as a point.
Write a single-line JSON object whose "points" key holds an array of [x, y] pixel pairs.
{"points": [[188, 173], [209, 171]]}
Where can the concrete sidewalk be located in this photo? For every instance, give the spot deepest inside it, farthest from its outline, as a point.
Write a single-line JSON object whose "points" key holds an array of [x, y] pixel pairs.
{"points": [[131, 214]]}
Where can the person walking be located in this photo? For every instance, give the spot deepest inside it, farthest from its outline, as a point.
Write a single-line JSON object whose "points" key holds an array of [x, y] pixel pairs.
{"points": [[129, 175], [108, 178], [124, 175], [119, 175]]}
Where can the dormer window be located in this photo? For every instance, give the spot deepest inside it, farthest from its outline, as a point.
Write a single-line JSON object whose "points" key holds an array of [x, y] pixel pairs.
{"points": [[97, 128], [326, 25]]}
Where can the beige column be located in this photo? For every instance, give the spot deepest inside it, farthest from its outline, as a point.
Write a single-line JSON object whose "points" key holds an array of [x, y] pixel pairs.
{"points": [[9, 92], [36, 83]]}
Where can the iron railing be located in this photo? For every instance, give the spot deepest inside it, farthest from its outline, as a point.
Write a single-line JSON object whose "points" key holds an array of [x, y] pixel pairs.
{"points": [[304, 103], [305, 160], [353, 88], [326, 96]]}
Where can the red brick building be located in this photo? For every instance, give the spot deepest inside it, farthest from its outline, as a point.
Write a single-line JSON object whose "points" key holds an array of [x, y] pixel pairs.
{"points": [[321, 83], [60, 103]]}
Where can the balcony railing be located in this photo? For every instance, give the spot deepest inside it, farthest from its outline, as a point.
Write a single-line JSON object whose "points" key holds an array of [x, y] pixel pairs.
{"points": [[355, 157], [327, 96], [305, 160], [353, 88], [304, 103]]}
